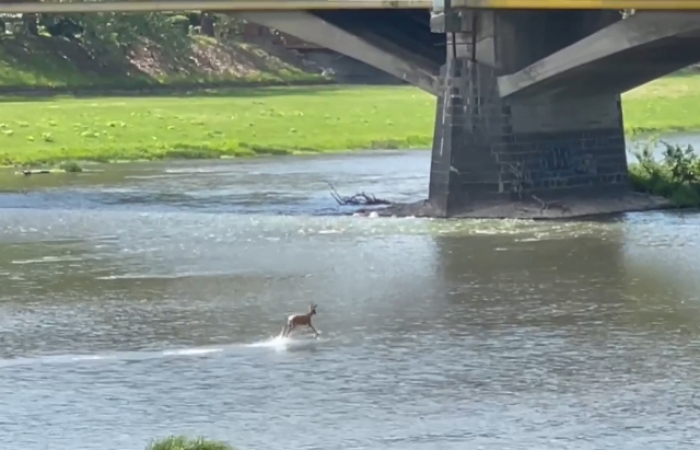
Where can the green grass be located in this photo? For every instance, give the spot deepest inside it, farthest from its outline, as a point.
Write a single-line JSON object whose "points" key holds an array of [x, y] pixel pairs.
{"points": [[665, 105], [223, 123], [184, 443], [249, 121]]}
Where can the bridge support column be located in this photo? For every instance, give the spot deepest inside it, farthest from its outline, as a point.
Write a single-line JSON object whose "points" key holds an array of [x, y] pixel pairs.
{"points": [[490, 151]]}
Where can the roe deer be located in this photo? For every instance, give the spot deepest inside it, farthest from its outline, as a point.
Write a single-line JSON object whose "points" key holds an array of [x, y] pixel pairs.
{"points": [[299, 320]]}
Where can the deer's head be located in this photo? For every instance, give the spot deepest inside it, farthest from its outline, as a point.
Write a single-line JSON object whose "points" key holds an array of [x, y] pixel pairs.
{"points": [[312, 309]]}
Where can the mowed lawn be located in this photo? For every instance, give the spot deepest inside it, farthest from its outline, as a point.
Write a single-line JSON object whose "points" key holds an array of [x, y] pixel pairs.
{"points": [[222, 123], [664, 105], [252, 121]]}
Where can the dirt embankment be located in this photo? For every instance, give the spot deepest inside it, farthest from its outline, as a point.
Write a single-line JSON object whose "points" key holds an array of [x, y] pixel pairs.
{"points": [[40, 63]]}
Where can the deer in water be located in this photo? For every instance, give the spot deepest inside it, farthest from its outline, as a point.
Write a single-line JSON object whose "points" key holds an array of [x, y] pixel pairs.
{"points": [[300, 320]]}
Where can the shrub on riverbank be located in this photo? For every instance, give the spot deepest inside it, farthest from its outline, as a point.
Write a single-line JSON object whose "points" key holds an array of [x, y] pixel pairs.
{"points": [[184, 443], [676, 177]]}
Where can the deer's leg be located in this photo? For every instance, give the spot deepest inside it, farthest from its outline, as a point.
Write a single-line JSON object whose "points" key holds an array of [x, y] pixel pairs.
{"points": [[315, 332], [290, 327]]}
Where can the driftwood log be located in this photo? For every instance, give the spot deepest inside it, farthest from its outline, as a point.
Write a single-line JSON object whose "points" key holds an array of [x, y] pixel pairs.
{"points": [[26, 173]]}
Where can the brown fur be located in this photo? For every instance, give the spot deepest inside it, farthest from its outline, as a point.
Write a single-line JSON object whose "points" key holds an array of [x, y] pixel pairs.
{"points": [[300, 320]]}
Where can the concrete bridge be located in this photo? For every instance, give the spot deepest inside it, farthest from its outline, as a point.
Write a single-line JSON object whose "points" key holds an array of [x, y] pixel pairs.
{"points": [[528, 100]]}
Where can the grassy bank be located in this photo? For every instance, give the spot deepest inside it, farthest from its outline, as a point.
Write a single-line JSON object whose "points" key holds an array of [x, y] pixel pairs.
{"points": [[220, 123], [665, 105], [45, 63], [122, 51], [249, 121]]}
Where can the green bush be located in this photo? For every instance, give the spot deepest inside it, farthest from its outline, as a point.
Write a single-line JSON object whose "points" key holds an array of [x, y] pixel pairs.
{"points": [[184, 443], [71, 167], [676, 177]]}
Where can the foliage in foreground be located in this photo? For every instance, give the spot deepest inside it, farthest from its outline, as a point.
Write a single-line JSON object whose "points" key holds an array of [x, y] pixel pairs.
{"points": [[676, 177], [185, 443]]}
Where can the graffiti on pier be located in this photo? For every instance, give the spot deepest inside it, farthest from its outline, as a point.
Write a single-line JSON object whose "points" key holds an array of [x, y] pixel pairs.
{"points": [[564, 161]]}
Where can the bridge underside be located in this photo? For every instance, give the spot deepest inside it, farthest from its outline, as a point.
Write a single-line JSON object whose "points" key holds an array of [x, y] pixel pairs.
{"points": [[620, 57], [528, 101], [398, 42]]}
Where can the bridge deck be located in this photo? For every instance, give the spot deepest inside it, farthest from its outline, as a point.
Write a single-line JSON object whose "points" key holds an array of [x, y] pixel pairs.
{"points": [[282, 5]]}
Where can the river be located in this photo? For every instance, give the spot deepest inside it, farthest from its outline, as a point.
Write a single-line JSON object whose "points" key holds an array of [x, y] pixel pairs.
{"points": [[141, 302]]}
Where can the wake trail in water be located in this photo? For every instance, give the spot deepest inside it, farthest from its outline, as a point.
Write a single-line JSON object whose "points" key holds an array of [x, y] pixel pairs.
{"points": [[280, 343], [276, 343]]}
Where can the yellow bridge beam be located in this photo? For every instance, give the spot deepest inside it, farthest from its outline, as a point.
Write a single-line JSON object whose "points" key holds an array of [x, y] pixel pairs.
{"points": [[667, 5], [15, 7]]}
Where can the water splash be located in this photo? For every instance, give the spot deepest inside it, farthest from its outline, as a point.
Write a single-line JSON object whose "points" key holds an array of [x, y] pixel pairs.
{"points": [[280, 343], [277, 343]]}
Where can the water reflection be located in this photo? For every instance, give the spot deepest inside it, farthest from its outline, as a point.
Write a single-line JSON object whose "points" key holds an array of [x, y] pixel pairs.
{"points": [[549, 278], [662, 270]]}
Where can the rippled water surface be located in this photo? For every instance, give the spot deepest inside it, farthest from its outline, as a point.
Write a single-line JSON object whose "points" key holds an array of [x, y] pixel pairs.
{"points": [[142, 302]]}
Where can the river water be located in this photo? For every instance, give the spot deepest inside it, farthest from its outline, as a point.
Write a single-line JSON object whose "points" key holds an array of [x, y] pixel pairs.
{"points": [[142, 302]]}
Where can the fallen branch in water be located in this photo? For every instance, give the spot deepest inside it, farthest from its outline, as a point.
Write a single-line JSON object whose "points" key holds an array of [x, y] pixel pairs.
{"points": [[545, 206], [357, 199]]}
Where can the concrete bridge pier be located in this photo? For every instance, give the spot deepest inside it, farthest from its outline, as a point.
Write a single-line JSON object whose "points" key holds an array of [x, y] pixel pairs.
{"points": [[491, 154]]}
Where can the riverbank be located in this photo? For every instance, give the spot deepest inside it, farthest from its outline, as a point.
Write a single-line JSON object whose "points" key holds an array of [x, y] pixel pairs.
{"points": [[213, 124], [44, 64], [665, 105], [237, 122], [676, 177]]}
